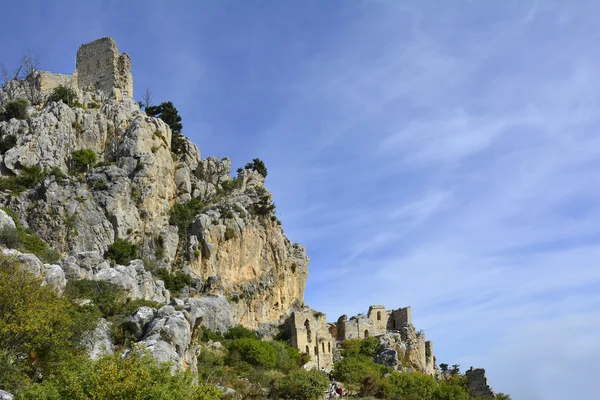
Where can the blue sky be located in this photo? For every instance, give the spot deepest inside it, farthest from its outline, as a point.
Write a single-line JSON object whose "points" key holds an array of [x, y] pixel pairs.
{"points": [[438, 154]]}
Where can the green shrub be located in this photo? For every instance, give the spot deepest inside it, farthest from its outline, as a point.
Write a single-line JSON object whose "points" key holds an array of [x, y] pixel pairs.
{"points": [[7, 143], [229, 233], [38, 328], [400, 385], [66, 94], [100, 184], [301, 384], [118, 377], [121, 251], [288, 358], [173, 281], [252, 351], [29, 178], [238, 332], [228, 186], [83, 160], [264, 206], [206, 334], [257, 165], [182, 215], [107, 297], [16, 108]]}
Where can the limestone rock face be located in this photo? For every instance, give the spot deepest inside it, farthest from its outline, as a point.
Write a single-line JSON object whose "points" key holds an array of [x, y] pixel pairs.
{"points": [[99, 341], [257, 266], [171, 335], [182, 213], [133, 278]]}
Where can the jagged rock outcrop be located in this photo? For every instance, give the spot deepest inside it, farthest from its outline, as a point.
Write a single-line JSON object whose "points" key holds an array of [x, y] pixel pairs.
{"points": [[171, 333], [53, 275], [477, 383], [133, 278]]}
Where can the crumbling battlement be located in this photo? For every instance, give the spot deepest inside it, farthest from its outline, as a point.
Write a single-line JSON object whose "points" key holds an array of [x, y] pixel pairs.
{"points": [[100, 66]]}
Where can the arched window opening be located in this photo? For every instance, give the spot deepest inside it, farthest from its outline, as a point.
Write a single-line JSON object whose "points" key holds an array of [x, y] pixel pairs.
{"points": [[378, 315], [366, 333], [307, 326], [323, 347], [329, 347], [307, 350]]}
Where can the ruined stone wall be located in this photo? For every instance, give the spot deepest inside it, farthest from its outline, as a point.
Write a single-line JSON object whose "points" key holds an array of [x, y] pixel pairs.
{"points": [[46, 82], [100, 66], [309, 334], [399, 318]]}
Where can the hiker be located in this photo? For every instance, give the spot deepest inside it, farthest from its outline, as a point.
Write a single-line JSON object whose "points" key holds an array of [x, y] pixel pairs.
{"points": [[339, 391]]}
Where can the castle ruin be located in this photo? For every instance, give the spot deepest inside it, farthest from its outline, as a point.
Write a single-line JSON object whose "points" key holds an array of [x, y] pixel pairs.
{"points": [[99, 67], [308, 332]]}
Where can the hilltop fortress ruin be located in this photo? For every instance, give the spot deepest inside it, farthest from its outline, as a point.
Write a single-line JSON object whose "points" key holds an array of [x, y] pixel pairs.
{"points": [[99, 67], [402, 346]]}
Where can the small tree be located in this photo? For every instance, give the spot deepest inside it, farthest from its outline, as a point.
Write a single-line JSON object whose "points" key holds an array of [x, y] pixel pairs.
{"points": [[443, 367], [257, 165], [169, 114]]}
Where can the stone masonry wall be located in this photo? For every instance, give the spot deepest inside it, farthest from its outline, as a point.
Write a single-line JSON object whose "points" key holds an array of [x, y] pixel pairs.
{"points": [[310, 334], [100, 66]]}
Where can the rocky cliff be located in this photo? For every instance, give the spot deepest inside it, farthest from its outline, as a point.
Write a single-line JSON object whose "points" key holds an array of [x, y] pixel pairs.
{"points": [[232, 246]]}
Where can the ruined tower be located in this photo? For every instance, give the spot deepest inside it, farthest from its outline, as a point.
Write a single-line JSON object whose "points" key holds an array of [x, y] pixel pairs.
{"points": [[100, 66]]}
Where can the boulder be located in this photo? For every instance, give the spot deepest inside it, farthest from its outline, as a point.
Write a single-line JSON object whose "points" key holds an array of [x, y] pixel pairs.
{"points": [[100, 341], [136, 323]]}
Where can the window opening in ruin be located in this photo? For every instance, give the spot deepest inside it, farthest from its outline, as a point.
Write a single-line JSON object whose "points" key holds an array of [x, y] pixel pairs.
{"points": [[323, 347], [307, 350], [307, 326], [316, 350], [378, 315], [366, 333], [329, 347]]}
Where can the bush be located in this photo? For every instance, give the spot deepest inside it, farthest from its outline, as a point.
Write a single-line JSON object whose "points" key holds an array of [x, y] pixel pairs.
{"points": [[7, 143], [83, 160], [182, 215], [400, 385], [107, 297], [257, 165], [66, 94], [264, 206], [252, 351], [118, 377], [29, 178], [238, 332], [16, 108], [121, 251], [38, 328], [229, 233], [303, 385], [174, 282]]}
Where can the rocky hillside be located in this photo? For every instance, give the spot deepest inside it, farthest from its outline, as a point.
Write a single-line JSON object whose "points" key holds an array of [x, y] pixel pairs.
{"points": [[176, 212]]}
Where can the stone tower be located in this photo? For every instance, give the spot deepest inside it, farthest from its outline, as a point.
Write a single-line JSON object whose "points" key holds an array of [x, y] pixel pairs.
{"points": [[100, 66]]}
